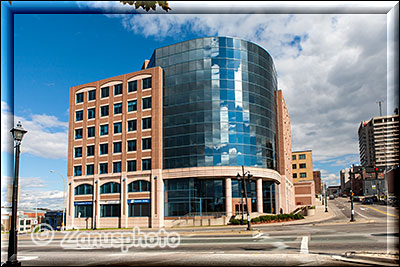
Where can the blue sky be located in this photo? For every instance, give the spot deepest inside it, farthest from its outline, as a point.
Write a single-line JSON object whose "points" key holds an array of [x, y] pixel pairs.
{"points": [[319, 58]]}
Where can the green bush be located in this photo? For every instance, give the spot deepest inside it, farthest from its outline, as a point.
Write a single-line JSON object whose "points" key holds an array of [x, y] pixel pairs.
{"points": [[255, 220], [237, 222]]}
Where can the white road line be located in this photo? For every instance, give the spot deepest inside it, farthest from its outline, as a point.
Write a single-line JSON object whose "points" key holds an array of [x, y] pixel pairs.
{"points": [[27, 258], [361, 215], [304, 245]]}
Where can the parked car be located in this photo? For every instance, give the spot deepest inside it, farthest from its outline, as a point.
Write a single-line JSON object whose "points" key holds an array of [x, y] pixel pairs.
{"points": [[331, 197], [367, 201]]}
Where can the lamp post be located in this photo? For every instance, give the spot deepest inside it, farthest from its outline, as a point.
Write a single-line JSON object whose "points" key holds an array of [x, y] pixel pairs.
{"points": [[326, 199], [245, 195], [18, 133], [63, 220], [351, 194]]}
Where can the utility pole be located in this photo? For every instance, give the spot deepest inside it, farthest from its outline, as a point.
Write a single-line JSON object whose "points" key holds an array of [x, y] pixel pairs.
{"points": [[351, 193], [380, 106]]}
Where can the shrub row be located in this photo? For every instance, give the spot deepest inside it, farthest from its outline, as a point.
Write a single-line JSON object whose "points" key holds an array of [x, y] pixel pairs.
{"points": [[237, 222], [278, 217]]}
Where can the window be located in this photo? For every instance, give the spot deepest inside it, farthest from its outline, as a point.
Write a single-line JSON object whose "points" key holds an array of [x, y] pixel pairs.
{"points": [[303, 175], [139, 209], [92, 95], [79, 115], [78, 133], [146, 143], [302, 156], [294, 157], [117, 127], [132, 105], [77, 170], [132, 86], [103, 149], [79, 97], [118, 89], [131, 165], [146, 102], [110, 210], [83, 211], [139, 186], [116, 167], [146, 83], [110, 188], [294, 175], [90, 132], [118, 108], [103, 111], [103, 168], [91, 113], [104, 92], [117, 147], [294, 166], [90, 151], [90, 169], [131, 125], [302, 166], [84, 189], [104, 129], [78, 152], [146, 123], [131, 145], [146, 164]]}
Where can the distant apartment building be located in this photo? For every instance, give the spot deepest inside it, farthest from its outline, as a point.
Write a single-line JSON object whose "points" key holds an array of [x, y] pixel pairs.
{"points": [[344, 180], [317, 182], [169, 140], [379, 141], [302, 166]]}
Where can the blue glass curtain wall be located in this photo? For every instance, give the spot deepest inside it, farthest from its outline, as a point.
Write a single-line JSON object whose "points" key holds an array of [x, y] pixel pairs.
{"points": [[218, 103], [251, 188], [193, 197]]}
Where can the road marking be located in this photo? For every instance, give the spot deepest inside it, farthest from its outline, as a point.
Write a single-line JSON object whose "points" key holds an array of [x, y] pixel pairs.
{"points": [[382, 212], [304, 245], [362, 215], [27, 258], [362, 209]]}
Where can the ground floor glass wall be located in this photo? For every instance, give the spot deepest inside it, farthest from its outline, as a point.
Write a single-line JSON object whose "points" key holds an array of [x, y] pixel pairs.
{"points": [[194, 197], [251, 188], [268, 197]]}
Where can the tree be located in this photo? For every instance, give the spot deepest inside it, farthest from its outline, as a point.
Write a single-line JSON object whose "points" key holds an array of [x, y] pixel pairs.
{"points": [[146, 5]]}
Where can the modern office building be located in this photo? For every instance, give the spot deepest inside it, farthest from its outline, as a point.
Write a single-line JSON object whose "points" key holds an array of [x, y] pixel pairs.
{"points": [[302, 166], [379, 141], [317, 182], [170, 140]]}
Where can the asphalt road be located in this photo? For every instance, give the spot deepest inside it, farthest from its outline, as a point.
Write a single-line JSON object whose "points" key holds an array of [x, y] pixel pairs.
{"points": [[324, 243]]}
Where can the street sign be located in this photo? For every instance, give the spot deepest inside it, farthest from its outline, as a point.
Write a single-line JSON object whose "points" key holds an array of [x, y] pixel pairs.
{"points": [[138, 201]]}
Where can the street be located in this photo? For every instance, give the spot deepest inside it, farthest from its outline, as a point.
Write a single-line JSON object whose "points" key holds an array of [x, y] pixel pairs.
{"points": [[325, 242]]}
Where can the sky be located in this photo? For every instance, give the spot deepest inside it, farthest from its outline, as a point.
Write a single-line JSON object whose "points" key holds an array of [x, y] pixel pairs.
{"points": [[332, 69]]}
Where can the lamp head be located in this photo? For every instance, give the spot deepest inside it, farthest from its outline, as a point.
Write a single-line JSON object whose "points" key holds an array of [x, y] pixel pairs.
{"points": [[18, 132], [238, 176]]}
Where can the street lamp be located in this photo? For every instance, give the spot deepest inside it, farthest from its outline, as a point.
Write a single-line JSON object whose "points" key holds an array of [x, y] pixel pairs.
{"points": [[240, 180], [351, 172], [63, 220], [245, 195], [326, 198], [18, 133]]}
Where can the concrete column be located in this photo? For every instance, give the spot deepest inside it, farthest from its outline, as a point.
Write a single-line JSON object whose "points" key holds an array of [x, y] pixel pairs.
{"points": [[259, 196], [157, 199], [123, 201], [228, 197], [277, 199]]}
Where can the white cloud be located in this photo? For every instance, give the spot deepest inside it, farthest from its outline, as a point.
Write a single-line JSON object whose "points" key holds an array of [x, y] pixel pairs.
{"points": [[47, 136], [329, 178], [331, 78], [42, 199]]}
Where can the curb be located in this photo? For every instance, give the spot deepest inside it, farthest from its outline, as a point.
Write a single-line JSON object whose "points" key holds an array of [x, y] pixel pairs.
{"points": [[373, 256]]}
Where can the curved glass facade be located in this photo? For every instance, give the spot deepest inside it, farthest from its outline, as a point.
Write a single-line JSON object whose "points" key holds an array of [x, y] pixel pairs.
{"points": [[218, 103]]}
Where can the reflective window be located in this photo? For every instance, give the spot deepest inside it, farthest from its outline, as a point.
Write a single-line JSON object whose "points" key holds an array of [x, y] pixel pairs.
{"points": [[131, 125], [77, 170], [110, 188], [78, 152], [294, 166], [132, 86], [139, 186], [79, 115], [132, 105], [268, 197], [117, 167], [303, 175], [110, 210], [146, 102], [83, 189], [92, 95], [104, 92], [118, 89], [302, 156], [117, 127], [146, 143], [302, 165], [104, 129], [146, 83], [104, 111], [79, 97], [103, 149], [90, 150], [83, 211], [131, 165], [118, 108], [103, 168], [139, 210], [89, 169], [146, 123], [131, 145], [146, 164], [91, 113], [90, 131], [78, 133], [117, 147]]}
